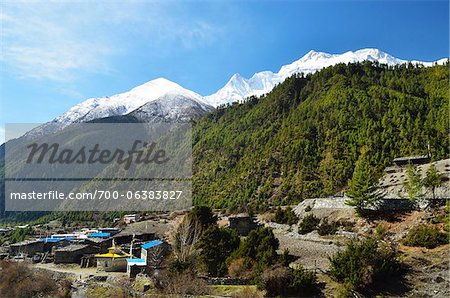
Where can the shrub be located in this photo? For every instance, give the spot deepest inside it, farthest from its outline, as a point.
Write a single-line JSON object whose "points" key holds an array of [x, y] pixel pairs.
{"points": [[346, 225], [362, 263], [286, 216], [275, 279], [381, 231], [240, 268], [280, 280], [18, 281], [260, 246], [326, 228], [303, 282], [308, 224], [428, 236], [248, 292], [185, 284], [308, 208], [105, 291]]}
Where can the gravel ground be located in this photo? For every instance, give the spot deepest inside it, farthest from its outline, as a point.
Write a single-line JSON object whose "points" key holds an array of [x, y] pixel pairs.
{"points": [[311, 249]]}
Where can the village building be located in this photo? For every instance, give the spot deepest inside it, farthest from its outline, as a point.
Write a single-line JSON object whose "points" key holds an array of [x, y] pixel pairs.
{"points": [[73, 253], [242, 223], [74, 235], [113, 261], [99, 235], [135, 266], [27, 248], [111, 231], [50, 243], [153, 252], [130, 218], [101, 243], [152, 255], [127, 237]]}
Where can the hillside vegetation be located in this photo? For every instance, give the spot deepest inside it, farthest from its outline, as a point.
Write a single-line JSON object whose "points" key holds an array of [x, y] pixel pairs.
{"points": [[303, 139]]}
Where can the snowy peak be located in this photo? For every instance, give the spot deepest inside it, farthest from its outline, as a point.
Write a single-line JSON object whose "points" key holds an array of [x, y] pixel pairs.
{"points": [[160, 86], [171, 107], [238, 88], [124, 103], [160, 89], [164, 99], [314, 61]]}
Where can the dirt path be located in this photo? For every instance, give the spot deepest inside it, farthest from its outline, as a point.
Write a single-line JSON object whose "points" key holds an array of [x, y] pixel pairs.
{"points": [[76, 271]]}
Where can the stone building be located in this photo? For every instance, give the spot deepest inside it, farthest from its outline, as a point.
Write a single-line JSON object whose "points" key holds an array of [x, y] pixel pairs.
{"points": [[73, 253], [242, 223], [27, 248]]}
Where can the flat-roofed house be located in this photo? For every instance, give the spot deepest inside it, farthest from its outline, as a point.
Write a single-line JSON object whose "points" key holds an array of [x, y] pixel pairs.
{"points": [[136, 266], [130, 218], [27, 247], [99, 235], [50, 243], [153, 252], [152, 255], [242, 223], [73, 253]]}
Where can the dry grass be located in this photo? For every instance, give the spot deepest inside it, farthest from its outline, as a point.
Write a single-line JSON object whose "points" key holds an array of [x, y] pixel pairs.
{"points": [[18, 280]]}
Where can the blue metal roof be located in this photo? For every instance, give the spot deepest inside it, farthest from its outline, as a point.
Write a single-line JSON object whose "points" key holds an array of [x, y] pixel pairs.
{"points": [[51, 240], [136, 260], [151, 244], [100, 235]]}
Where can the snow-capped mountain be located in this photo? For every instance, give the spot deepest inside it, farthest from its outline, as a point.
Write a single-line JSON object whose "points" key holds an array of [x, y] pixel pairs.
{"points": [[260, 83], [127, 102], [170, 107], [161, 99], [169, 98]]}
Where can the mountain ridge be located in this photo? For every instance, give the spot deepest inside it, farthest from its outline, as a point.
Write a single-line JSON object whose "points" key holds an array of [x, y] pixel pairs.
{"points": [[238, 88]]}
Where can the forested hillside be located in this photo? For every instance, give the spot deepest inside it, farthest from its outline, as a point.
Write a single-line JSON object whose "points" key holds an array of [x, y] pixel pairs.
{"points": [[303, 138]]}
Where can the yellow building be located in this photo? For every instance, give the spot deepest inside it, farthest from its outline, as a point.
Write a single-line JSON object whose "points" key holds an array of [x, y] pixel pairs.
{"points": [[113, 261]]}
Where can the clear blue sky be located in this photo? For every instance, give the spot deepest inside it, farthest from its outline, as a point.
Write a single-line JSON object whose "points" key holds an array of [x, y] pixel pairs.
{"points": [[54, 55]]}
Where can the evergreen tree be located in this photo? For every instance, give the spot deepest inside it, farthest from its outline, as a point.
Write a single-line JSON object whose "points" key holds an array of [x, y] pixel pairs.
{"points": [[249, 154], [204, 215], [261, 246], [216, 245], [362, 188], [413, 184], [433, 179]]}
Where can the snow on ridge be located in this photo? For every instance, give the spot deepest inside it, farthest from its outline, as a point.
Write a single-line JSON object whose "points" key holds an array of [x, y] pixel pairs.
{"points": [[239, 88], [123, 103], [235, 90]]}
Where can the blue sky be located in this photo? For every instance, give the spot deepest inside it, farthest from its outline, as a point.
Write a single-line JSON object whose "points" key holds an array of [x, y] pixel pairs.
{"points": [[56, 54]]}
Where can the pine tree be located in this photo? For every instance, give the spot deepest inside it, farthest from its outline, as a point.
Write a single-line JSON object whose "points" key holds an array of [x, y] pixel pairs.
{"points": [[362, 188], [433, 179], [413, 184]]}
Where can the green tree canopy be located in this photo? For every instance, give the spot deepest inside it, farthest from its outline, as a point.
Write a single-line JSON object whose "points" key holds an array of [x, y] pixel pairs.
{"points": [[204, 215], [413, 184], [433, 179], [362, 188], [261, 246], [216, 246]]}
